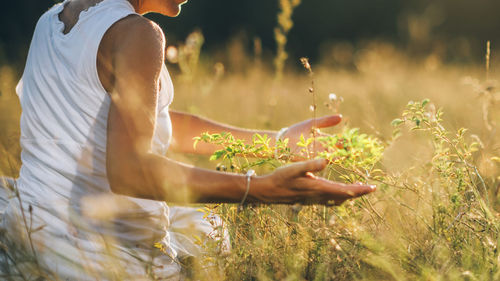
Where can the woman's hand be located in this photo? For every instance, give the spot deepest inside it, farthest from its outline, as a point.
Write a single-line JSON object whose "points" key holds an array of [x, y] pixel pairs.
{"points": [[307, 129], [296, 183]]}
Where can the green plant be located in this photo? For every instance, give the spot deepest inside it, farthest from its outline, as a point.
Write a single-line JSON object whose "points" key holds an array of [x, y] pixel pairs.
{"points": [[441, 219], [349, 149], [271, 242]]}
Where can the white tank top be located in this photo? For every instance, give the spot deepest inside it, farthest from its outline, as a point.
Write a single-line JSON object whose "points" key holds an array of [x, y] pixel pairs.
{"points": [[63, 137]]}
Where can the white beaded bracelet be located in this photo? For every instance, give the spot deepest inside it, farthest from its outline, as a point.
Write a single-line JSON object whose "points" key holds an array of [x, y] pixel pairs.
{"points": [[279, 136], [248, 175]]}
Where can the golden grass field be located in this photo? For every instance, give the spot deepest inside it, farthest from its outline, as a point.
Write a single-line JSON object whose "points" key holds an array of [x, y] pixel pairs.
{"points": [[434, 215]]}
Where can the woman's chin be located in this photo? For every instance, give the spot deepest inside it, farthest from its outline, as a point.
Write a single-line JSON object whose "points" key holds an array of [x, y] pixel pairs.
{"points": [[179, 7], [173, 11]]}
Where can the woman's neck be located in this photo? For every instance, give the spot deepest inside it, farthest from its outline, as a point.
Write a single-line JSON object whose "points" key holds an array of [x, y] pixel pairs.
{"points": [[138, 5]]}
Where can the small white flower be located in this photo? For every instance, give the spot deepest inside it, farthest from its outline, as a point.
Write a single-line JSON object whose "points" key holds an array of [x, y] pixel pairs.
{"points": [[172, 54], [335, 245], [332, 97]]}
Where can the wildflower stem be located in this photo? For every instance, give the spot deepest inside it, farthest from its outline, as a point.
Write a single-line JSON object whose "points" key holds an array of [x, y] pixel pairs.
{"points": [[488, 53]]}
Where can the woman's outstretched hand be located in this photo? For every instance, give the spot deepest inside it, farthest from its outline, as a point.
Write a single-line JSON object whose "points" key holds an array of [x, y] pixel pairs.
{"points": [[296, 183], [306, 129]]}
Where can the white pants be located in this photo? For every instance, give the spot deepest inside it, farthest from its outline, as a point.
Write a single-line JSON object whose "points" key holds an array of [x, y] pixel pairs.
{"points": [[188, 227]]}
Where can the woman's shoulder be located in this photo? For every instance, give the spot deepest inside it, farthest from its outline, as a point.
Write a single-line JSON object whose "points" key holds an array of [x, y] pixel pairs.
{"points": [[135, 37], [134, 46], [136, 27]]}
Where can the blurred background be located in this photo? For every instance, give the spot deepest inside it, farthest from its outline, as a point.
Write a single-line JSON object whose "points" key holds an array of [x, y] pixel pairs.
{"points": [[456, 30]]}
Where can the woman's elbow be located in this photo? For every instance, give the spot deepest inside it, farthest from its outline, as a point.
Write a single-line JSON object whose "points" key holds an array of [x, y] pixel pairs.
{"points": [[133, 178], [120, 176], [116, 181]]}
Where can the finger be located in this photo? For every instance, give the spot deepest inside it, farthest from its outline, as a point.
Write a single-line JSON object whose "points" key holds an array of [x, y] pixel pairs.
{"points": [[336, 191], [364, 189], [352, 191], [302, 168], [328, 121], [319, 190]]}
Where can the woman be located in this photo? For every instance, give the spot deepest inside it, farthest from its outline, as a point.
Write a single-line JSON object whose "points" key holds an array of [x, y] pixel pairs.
{"points": [[94, 127]]}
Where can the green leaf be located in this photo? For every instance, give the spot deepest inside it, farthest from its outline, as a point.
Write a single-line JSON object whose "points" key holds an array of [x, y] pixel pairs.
{"points": [[396, 122], [217, 155], [425, 102], [462, 131]]}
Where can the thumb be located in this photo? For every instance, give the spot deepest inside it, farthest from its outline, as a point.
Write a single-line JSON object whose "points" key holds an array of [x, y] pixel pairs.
{"points": [[328, 121], [302, 168]]}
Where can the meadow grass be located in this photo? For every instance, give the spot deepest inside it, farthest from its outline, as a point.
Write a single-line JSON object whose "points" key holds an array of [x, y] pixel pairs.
{"points": [[435, 213]]}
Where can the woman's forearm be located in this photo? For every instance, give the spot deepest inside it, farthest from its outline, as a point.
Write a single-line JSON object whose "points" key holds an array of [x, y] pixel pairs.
{"points": [[159, 178], [187, 126]]}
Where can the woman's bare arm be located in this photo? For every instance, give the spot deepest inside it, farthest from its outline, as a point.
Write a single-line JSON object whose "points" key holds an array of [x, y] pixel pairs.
{"points": [[187, 126], [132, 169], [133, 50]]}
